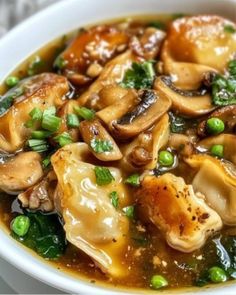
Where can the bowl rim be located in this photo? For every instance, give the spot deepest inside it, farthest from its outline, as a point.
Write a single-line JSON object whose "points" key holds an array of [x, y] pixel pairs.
{"points": [[21, 257]]}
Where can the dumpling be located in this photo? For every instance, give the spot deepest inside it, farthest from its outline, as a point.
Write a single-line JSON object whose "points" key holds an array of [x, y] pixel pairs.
{"points": [[183, 216], [92, 223], [41, 91], [217, 181], [20, 172], [202, 40]]}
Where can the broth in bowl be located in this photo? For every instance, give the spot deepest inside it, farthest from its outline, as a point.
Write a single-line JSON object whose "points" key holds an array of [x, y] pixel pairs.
{"points": [[118, 152]]}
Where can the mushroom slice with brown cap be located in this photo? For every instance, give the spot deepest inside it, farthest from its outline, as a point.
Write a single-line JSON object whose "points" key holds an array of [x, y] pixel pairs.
{"points": [[41, 91], [40, 196], [119, 108], [227, 114], [186, 102], [91, 222], [142, 152], [20, 172], [95, 135], [182, 215], [227, 140], [200, 39], [151, 107], [217, 181]]}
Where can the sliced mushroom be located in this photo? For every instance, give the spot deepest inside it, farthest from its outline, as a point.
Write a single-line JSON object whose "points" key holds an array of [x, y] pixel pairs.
{"points": [[149, 44], [227, 114], [91, 47], [227, 140], [119, 108], [40, 196], [200, 39], [83, 201], [217, 181], [41, 91], [109, 95], [66, 109], [112, 74], [186, 102], [94, 131], [182, 216], [142, 152], [151, 107], [186, 75], [20, 172]]}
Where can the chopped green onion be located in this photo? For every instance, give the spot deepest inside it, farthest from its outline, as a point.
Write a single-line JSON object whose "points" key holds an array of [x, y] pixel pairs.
{"points": [[60, 63], [51, 122], [129, 211], [72, 121], [50, 111], [35, 66], [133, 180], [103, 175], [101, 146], [157, 282], [38, 145], [46, 161], [85, 113], [114, 199], [20, 225], [63, 139], [36, 115], [229, 29], [40, 134], [12, 81]]}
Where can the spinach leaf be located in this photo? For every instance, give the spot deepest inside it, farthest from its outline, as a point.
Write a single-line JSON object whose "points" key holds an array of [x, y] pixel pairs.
{"points": [[141, 75], [45, 236], [224, 87], [7, 99], [221, 252], [177, 124]]}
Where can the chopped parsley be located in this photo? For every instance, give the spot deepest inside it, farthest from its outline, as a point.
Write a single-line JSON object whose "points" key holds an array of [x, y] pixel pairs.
{"points": [[133, 180], [141, 75], [114, 199], [229, 29], [101, 146], [224, 87], [103, 175], [129, 211]]}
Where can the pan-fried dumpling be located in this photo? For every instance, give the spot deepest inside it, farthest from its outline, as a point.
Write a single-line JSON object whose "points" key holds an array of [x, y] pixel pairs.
{"points": [[183, 216], [217, 181], [92, 223], [41, 91]]}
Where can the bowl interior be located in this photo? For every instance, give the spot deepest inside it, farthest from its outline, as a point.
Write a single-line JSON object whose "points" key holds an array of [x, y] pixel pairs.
{"points": [[37, 31]]}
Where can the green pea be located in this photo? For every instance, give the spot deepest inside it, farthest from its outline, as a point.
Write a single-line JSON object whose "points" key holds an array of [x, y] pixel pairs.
{"points": [[20, 225], [12, 81], [166, 158], [158, 281], [217, 150], [217, 274], [215, 126]]}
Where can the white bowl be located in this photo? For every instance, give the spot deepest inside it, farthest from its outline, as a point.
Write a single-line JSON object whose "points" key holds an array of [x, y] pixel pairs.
{"points": [[38, 31]]}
